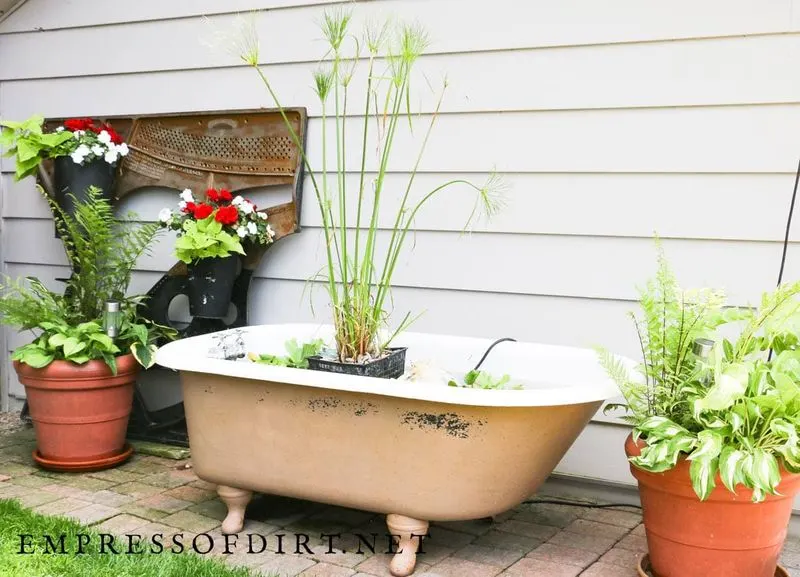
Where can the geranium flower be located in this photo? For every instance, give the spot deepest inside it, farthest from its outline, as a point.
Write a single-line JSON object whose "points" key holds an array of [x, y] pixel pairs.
{"points": [[75, 124], [202, 211], [212, 195], [227, 215], [225, 195], [188, 206]]}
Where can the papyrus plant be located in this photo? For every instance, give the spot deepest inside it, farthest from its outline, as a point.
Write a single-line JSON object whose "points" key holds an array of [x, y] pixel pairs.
{"points": [[357, 273], [735, 414]]}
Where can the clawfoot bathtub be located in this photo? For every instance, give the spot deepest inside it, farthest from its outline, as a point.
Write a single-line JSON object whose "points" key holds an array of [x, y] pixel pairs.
{"points": [[416, 451]]}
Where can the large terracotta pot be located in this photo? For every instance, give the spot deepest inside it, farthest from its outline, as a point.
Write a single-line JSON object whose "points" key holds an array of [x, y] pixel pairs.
{"points": [[80, 412], [725, 536]]}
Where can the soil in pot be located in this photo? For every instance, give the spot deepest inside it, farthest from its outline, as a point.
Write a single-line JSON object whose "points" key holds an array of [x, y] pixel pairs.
{"points": [[209, 286], [71, 178], [79, 412], [389, 366], [725, 536]]}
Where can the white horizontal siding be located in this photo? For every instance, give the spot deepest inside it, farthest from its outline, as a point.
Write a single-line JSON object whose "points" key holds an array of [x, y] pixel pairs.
{"points": [[610, 120]]}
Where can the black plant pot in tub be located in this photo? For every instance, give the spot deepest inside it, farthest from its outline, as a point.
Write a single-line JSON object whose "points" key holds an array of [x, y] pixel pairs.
{"points": [[210, 286], [390, 366], [75, 179]]}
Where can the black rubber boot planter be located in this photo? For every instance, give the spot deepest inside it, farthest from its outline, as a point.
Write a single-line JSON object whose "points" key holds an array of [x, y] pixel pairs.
{"points": [[72, 178], [210, 286]]}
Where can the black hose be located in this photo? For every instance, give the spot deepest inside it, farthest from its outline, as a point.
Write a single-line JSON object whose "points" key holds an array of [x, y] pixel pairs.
{"points": [[489, 350]]}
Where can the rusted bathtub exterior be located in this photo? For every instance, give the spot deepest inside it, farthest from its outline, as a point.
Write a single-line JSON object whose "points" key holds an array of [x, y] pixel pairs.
{"points": [[416, 459]]}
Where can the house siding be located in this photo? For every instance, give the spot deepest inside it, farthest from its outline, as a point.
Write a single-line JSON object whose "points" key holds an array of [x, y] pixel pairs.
{"points": [[610, 120]]}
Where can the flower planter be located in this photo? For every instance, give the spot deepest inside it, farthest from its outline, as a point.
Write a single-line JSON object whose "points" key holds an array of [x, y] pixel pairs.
{"points": [[418, 451], [390, 366], [725, 536], [80, 412], [210, 286], [645, 570], [75, 179]]}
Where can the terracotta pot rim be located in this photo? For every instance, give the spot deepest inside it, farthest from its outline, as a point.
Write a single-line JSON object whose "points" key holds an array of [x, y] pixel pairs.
{"points": [[68, 371]]}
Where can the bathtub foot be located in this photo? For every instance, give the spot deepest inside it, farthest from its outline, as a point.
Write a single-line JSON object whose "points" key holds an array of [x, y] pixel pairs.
{"points": [[411, 531], [236, 500]]}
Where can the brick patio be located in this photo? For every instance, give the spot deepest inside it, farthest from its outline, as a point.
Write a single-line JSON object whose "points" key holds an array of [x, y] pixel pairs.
{"points": [[151, 495]]}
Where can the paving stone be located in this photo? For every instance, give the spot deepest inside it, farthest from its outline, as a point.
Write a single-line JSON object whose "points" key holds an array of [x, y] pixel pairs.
{"points": [[51, 475], [30, 481], [541, 532], [546, 514], [489, 555], [214, 509], [88, 483], [170, 479], [477, 527], [625, 519], [454, 567], [121, 524], [447, 537], [12, 491], [134, 508], [605, 570], [586, 527], [116, 476], [7, 477], [559, 554], [286, 565], [503, 540], [634, 543], [790, 559], [343, 516], [190, 521], [110, 498], [593, 543], [327, 570], [639, 530], [137, 490], [12, 469], [163, 503], [32, 500], [530, 567], [161, 450], [153, 528], [67, 491], [61, 506], [93, 513], [200, 484], [378, 565], [622, 557], [189, 493]]}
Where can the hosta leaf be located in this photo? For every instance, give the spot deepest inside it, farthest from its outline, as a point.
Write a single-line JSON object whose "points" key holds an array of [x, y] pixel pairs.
{"points": [[730, 464], [702, 473], [730, 384], [709, 446]]}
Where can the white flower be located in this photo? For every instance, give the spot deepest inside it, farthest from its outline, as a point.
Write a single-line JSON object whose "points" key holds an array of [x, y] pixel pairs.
{"points": [[241, 231], [237, 200], [122, 149], [165, 215], [246, 207], [60, 129], [262, 215], [182, 205], [111, 156], [270, 232], [98, 150], [186, 195], [83, 150], [77, 158], [77, 133], [104, 137], [252, 228]]}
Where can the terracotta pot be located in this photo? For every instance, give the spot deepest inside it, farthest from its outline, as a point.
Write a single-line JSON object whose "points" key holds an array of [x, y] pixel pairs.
{"points": [[725, 536], [79, 412]]}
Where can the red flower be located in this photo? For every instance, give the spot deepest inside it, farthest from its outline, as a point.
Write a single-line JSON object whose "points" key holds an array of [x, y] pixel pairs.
{"points": [[225, 195], [202, 210], [75, 124], [212, 195], [115, 137], [227, 215], [190, 206]]}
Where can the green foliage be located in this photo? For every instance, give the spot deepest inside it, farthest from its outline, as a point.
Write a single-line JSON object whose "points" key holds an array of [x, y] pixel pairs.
{"points": [[734, 415], [205, 238], [297, 356], [483, 380], [102, 252], [29, 144], [358, 275]]}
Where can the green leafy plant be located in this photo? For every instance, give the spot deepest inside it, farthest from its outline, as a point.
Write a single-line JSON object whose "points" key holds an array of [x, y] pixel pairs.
{"points": [[102, 252], [735, 413], [357, 273], [29, 144], [484, 380], [297, 356], [205, 238]]}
